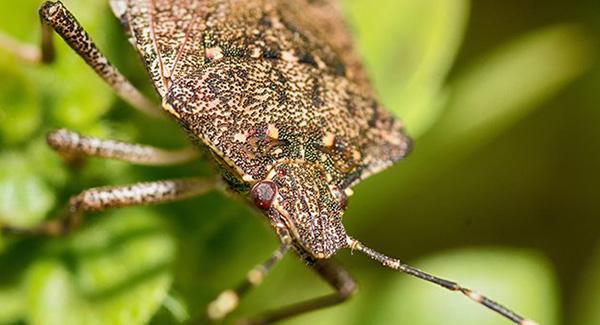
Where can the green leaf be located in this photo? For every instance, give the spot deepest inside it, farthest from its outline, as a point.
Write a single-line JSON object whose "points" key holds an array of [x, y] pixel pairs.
{"points": [[13, 304], [409, 47], [519, 279], [115, 272], [509, 84], [25, 197], [19, 101], [586, 309]]}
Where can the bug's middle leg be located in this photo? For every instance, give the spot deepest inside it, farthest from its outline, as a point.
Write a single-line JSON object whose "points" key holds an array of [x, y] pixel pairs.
{"points": [[102, 198]]}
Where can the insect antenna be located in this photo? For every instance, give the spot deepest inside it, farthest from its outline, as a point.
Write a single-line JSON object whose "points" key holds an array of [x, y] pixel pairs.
{"points": [[396, 264]]}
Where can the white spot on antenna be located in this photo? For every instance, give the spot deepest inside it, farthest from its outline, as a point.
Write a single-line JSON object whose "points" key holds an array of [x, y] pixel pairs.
{"points": [[475, 296], [223, 305], [255, 276]]}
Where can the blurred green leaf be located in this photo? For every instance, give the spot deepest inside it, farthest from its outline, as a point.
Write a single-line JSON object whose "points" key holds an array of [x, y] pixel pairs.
{"points": [[509, 84], [492, 96], [586, 309], [19, 101], [409, 47], [115, 272], [13, 304], [519, 279], [25, 198]]}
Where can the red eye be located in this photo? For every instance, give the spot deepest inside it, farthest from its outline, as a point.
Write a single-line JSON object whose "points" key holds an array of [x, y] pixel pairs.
{"points": [[263, 194]]}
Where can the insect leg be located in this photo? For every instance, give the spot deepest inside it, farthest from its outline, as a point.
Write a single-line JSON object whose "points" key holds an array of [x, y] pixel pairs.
{"points": [[73, 145], [102, 198], [330, 271], [228, 300], [54, 15]]}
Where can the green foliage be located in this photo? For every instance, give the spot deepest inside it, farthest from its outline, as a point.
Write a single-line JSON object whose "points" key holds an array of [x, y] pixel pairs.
{"points": [[163, 264]]}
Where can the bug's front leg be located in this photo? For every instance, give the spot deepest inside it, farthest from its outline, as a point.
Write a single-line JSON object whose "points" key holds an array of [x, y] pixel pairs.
{"points": [[55, 16], [334, 274], [102, 198]]}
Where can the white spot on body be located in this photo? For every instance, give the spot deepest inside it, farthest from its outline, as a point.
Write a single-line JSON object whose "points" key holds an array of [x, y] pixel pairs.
{"points": [[276, 23], [256, 52], [119, 7], [288, 56], [169, 109], [247, 178], [213, 53], [328, 139], [272, 131], [239, 137], [348, 192]]}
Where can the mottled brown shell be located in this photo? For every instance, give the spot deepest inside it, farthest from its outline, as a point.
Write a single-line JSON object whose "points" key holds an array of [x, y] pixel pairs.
{"points": [[264, 81], [260, 80]]}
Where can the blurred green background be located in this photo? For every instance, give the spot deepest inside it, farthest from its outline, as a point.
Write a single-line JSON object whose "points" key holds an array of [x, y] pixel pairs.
{"points": [[501, 192]]}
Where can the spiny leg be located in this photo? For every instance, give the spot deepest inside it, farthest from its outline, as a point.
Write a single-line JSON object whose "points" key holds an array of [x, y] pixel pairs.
{"points": [[335, 275], [55, 16], [102, 198], [396, 264], [73, 145], [228, 300]]}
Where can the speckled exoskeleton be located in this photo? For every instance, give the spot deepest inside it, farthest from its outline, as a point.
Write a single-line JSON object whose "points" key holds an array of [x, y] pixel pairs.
{"points": [[275, 94]]}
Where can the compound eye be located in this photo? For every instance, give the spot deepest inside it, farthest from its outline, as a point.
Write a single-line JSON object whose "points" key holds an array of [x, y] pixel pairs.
{"points": [[263, 194]]}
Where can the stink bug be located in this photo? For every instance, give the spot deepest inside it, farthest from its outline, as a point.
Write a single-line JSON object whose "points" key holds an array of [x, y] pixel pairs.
{"points": [[274, 93]]}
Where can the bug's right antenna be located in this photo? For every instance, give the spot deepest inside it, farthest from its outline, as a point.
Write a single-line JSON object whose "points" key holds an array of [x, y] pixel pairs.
{"points": [[396, 264]]}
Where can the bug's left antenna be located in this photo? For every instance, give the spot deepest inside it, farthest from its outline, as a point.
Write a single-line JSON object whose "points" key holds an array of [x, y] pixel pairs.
{"points": [[396, 264]]}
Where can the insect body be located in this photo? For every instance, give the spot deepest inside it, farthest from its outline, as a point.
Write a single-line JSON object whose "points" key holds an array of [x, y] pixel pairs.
{"points": [[274, 91]]}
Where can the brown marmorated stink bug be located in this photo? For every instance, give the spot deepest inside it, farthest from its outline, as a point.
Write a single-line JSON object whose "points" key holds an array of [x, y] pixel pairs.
{"points": [[274, 92]]}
